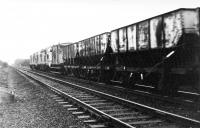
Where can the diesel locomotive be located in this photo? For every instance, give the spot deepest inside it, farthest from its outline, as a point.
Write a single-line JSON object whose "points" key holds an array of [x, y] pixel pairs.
{"points": [[162, 52]]}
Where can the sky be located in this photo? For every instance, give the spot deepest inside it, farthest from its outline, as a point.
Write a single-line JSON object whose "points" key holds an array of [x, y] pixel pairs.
{"points": [[26, 26]]}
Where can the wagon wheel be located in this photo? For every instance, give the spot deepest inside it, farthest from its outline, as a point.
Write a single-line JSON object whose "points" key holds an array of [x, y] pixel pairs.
{"points": [[133, 79], [126, 79], [166, 84]]}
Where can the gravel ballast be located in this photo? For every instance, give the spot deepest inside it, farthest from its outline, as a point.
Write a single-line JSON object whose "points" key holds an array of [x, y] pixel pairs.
{"points": [[32, 106]]}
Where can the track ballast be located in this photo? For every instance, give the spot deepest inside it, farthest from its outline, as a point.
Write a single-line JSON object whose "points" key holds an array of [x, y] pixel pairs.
{"points": [[113, 110]]}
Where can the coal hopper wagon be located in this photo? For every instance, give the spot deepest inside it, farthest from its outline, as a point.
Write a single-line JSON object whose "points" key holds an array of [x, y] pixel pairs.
{"points": [[162, 52]]}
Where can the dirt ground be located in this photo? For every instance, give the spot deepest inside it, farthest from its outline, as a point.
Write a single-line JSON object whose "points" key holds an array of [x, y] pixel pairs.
{"points": [[28, 105]]}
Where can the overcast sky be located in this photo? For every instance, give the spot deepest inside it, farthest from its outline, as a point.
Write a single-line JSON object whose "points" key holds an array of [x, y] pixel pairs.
{"points": [[26, 26]]}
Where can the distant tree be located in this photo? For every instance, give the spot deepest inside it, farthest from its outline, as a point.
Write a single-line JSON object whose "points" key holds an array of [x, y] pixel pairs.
{"points": [[5, 64], [21, 62]]}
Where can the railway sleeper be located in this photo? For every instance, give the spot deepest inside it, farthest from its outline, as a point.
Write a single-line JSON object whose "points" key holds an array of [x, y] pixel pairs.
{"points": [[67, 105], [109, 107], [76, 93], [115, 110], [72, 92], [84, 117], [125, 113], [72, 109], [77, 113], [90, 121], [142, 122], [64, 102], [100, 104], [90, 98], [94, 101], [128, 118], [98, 126], [60, 100]]}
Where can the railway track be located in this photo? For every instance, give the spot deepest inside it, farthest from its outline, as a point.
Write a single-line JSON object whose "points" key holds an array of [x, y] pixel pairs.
{"points": [[186, 96], [112, 110], [184, 99]]}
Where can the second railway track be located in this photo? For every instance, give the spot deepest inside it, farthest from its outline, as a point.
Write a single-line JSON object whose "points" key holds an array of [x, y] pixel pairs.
{"points": [[182, 98], [115, 111]]}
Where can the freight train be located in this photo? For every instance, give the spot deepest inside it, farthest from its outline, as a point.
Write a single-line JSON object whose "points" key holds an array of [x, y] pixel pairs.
{"points": [[162, 52]]}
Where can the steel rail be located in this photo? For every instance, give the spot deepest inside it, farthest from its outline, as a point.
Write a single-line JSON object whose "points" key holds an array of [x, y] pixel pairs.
{"points": [[173, 117], [89, 107]]}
